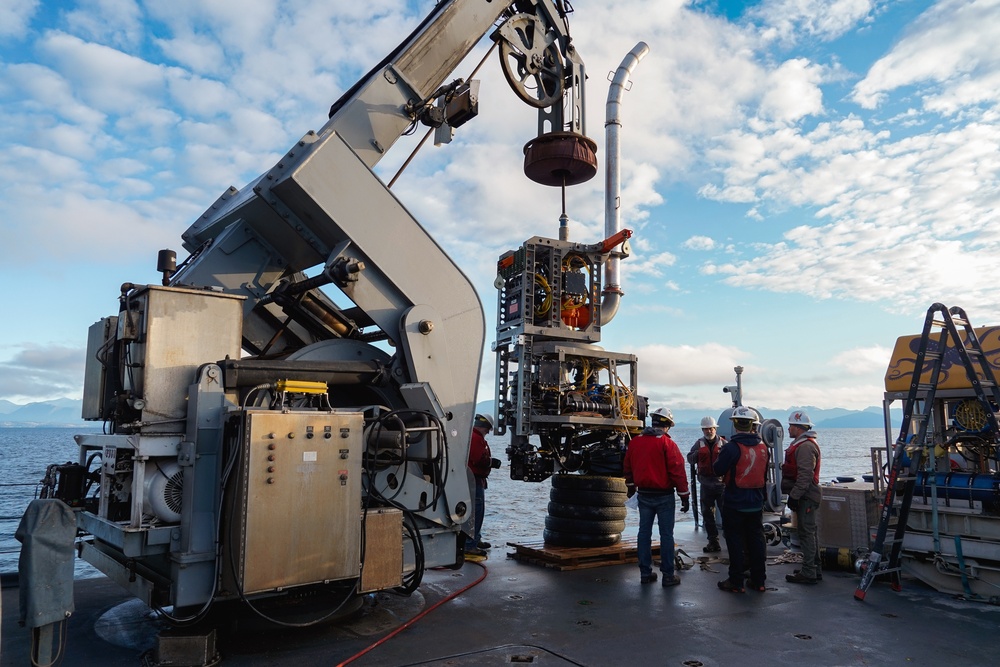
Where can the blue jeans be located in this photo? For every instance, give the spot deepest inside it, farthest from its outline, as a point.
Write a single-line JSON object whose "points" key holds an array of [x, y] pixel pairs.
{"points": [[480, 513], [660, 507]]}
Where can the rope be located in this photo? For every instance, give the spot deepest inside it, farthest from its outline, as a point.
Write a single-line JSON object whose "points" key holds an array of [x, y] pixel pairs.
{"points": [[787, 557]]}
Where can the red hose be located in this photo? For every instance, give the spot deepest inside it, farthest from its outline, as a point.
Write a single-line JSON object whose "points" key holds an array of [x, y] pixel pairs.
{"points": [[415, 618]]}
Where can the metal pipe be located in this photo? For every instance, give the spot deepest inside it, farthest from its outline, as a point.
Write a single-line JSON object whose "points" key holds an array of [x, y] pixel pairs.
{"points": [[739, 386], [612, 293]]}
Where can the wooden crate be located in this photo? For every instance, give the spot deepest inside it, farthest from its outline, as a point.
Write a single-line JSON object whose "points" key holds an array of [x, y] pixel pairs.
{"points": [[578, 558]]}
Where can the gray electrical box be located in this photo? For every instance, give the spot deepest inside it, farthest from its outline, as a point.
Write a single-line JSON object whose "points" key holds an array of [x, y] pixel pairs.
{"points": [[95, 374], [301, 496]]}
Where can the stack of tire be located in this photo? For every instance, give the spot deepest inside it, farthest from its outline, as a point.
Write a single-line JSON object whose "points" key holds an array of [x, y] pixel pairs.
{"points": [[585, 511]]}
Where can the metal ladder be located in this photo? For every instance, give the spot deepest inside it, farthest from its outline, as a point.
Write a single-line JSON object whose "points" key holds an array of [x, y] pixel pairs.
{"points": [[909, 452]]}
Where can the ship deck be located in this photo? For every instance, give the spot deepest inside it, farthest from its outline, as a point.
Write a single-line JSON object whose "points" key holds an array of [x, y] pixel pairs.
{"points": [[550, 611]]}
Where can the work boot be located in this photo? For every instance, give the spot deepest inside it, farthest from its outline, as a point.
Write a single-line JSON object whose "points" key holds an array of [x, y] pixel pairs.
{"points": [[647, 578], [730, 587], [819, 575], [799, 578], [483, 544], [713, 546]]}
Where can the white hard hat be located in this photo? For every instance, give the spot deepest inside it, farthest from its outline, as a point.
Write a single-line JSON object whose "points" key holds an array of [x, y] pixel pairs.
{"points": [[744, 413], [483, 421], [708, 422], [662, 415], [799, 418]]}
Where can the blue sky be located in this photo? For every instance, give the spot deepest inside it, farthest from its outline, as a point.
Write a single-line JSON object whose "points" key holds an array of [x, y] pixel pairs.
{"points": [[804, 177]]}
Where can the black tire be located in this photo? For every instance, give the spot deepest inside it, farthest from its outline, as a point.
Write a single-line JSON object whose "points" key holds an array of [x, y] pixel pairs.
{"points": [[581, 526], [588, 483], [588, 512], [560, 539], [598, 498]]}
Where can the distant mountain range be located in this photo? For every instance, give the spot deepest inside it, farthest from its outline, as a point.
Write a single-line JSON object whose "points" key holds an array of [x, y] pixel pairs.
{"points": [[870, 417], [66, 412], [59, 412]]}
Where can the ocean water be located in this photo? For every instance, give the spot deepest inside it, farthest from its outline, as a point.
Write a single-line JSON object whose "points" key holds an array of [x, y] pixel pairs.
{"points": [[24, 455], [515, 510]]}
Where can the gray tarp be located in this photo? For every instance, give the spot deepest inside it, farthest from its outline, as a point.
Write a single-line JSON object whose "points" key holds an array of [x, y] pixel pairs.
{"points": [[45, 567]]}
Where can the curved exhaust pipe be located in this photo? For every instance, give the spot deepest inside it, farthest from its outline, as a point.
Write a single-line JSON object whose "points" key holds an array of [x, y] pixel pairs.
{"points": [[612, 293]]}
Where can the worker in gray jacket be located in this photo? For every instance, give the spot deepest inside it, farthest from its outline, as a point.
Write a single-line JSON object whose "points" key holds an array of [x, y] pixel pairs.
{"points": [[800, 480], [703, 456]]}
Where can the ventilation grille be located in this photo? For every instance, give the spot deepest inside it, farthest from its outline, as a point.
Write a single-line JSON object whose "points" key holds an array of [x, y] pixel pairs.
{"points": [[174, 491]]}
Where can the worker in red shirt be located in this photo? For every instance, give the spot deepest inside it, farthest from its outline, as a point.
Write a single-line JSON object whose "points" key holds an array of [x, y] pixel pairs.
{"points": [[655, 469], [481, 462]]}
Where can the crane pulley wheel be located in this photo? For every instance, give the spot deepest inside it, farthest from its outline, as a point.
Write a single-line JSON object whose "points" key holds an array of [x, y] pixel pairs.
{"points": [[531, 60]]}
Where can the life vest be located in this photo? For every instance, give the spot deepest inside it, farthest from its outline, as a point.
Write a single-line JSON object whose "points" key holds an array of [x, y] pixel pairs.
{"points": [[751, 468], [708, 455], [790, 470]]}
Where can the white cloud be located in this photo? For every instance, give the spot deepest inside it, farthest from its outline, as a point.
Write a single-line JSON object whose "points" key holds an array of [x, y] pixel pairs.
{"points": [[62, 225], [638, 192], [698, 74], [36, 91], [700, 243], [692, 376], [863, 360], [38, 168], [687, 365], [153, 124], [71, 140], [964, 93], [201, 97], [855, 395], [119, 167], [951, 41], [15, 15], [104, 78], [792, 20], [199, 53], [649, 265], [895, 207], [114, 22], [43, 371], [793, 92], [296, 56]]}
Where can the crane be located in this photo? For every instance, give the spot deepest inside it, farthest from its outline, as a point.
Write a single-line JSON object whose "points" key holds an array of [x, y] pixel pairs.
{"points": [[264, 438]]}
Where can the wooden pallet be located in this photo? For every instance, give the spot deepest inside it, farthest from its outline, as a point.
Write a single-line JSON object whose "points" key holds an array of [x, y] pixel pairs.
{"points": [[577, 558]]}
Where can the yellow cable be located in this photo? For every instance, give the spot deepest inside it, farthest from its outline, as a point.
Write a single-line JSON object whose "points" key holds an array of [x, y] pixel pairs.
{"points": [[543, 308]]}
